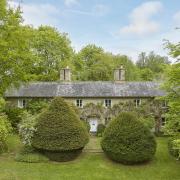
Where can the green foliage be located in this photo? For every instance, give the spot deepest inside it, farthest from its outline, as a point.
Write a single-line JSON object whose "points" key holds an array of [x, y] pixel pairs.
{"points": [[2, 104], [149, 122], [59, 129], [172, 87], [100, 129], [176, 146], [27, 128], [5, 129], [52, 51], [173, 147], [174, 49], [127, 140], [16, 58], [35, 106], [15, 116], [63, 156], [146, 74], [152, 66], [87, 125], [30, 156], [93, 63]]}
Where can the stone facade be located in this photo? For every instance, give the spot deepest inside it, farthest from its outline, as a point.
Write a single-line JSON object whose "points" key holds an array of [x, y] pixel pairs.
{"points": [[87, 96]]}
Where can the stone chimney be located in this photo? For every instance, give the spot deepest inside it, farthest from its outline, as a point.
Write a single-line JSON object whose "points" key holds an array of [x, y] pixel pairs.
{"points": [[119, 74], [65, 74]]}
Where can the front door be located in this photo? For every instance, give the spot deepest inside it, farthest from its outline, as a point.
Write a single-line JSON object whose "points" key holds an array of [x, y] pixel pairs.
{"points": [[93, 125]]}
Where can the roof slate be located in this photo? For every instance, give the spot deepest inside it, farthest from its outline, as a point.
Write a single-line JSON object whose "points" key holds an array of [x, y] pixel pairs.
{"points": [[87, 89]]}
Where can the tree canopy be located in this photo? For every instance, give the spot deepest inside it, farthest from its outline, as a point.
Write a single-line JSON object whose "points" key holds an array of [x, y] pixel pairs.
{"points": [[15, 47], [38, 54]]}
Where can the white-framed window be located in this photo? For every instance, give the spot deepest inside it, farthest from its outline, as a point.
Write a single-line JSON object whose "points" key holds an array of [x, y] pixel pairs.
{"points": [[137, 102], [21, 103], [107, 103], [79, 103]]}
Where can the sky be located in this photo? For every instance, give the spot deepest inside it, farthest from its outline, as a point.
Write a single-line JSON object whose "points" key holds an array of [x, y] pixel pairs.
{"points": [[119, 26]]}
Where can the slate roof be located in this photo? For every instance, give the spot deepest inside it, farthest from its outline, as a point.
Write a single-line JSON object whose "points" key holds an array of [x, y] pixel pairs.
{"points": [[87, 89]]}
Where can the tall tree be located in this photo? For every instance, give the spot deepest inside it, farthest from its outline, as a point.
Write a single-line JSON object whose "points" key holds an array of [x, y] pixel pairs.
{"points": [[93, 63], [52, 50], [15, 47], [152, 66]]}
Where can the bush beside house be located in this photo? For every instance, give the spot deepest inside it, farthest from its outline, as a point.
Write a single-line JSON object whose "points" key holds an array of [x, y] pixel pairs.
{"points": [[127, 140], [5, 129], [60, 134], [100, 129]]}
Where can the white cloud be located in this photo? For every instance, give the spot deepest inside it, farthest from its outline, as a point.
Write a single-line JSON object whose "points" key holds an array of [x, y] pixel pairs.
{"points": [[70, 3], [37, 14], [141, 22], [176, 18]]}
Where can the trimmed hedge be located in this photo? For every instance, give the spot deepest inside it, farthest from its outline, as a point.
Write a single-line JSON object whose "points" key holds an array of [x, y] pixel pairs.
{"points": [[63, 156], [127, 140], [59, 130]]}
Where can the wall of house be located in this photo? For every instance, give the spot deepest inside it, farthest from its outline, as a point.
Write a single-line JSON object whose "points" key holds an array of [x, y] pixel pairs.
{"points": [[14, 101], [101, 100]]}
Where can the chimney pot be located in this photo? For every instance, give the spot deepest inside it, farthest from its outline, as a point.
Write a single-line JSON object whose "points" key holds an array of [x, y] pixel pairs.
{"points": [[119, 74], [65, 74]]}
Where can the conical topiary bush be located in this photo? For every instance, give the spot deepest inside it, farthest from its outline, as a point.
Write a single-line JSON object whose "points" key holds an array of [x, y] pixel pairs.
{"points": [[60, 133], [127, 140]]}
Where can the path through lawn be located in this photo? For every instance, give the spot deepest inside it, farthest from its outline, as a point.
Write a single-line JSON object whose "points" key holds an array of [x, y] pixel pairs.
{"points": [[93, 146]]}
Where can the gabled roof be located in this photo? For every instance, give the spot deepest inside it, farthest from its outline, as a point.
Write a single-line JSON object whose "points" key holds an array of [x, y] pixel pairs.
{"points": [[87, 89]]}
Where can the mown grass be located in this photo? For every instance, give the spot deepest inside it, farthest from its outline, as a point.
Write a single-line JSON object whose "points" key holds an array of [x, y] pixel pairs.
{"points": [[90, 166]]}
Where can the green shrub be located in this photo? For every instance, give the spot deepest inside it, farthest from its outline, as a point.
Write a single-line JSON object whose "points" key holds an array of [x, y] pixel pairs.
{"points": [[100, 129], [15, 116], [87, 125], [59, 130], [5, 129], [36, 106], [29, 155], [173, 151], [2, 104], [127, 140]]}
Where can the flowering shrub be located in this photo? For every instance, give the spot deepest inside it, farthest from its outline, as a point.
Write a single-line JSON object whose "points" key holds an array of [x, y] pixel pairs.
{"points": [[26, 128]]}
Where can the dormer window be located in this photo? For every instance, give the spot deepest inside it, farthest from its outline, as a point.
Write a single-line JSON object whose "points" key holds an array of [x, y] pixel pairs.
{"points": [[107, 103], [21, 103], [79, 103], [137, 102]]}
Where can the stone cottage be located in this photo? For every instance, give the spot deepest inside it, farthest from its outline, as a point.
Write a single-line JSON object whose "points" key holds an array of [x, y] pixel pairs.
{"points": [[92, 93]]}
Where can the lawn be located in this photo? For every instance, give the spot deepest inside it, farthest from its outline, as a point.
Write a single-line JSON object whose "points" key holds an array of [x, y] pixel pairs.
{"points": [[91, 165]]}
